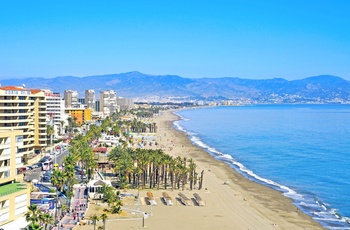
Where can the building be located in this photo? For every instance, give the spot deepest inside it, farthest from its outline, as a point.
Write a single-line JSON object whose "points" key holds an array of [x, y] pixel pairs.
{"points": [[25, 109], [90, 99], [81, 115], [97, 105], [125, 103], [108, 102], [14, 196], [71, 99], [55, 110]]}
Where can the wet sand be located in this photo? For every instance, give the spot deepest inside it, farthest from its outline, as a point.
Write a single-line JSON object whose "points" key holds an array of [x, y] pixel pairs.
{"points": [[239, 204]]}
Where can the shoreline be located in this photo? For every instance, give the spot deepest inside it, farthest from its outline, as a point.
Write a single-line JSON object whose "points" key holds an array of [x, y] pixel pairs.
{"points": [[267, 201], [240, 204]]}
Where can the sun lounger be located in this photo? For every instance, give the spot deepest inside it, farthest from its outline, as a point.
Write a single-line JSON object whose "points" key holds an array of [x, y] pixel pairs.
{"points": [[184, 199], [151, 199], [167, 199], [198, 199]]}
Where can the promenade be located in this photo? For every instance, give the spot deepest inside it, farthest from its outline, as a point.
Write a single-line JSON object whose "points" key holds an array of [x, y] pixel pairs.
{"points": [[77, 210]]}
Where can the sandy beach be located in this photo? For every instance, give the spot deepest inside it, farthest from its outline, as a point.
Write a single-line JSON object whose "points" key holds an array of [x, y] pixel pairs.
{"points": [[239, 204]]}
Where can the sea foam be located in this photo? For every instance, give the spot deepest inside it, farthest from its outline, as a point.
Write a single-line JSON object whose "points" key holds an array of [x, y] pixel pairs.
{"points": [[310, 205]]}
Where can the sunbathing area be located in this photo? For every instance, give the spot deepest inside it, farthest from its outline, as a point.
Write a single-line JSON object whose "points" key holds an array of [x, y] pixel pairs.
{"points": [[209, 204]]}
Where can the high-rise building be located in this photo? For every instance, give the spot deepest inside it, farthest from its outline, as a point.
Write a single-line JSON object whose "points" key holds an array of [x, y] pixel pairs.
{"points": [[90, 99], [55, 109], [14, 196], [24, 109], [108, 102], [125, 103], [71, 99]]}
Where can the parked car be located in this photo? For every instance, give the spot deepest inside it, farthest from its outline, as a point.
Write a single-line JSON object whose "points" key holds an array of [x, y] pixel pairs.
{"points": [[46, 179], [83, 177], [29, 167], [48, 173]]}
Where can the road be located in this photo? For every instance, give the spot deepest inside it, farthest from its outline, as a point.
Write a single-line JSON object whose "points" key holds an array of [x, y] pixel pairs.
{"points": [[37, 173]]}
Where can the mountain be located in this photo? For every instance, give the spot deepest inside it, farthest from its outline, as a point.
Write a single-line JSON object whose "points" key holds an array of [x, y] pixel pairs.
{"points": [[324, 88]]}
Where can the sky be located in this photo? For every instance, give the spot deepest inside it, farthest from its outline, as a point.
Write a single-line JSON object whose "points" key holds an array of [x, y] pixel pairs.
{"points": [[290, 39]]}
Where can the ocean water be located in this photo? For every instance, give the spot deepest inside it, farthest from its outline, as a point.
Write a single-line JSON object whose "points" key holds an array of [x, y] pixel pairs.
{"points": [[301, 150]]}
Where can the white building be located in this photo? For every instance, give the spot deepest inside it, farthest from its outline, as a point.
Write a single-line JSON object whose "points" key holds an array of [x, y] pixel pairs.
{"points": [[71, 99], [55, 110], [90, 99], [108, 102], [125, 103]]}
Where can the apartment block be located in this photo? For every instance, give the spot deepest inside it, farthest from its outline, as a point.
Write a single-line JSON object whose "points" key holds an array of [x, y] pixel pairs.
{"points": [[71, 99], [90, 99], [55, 109], [108, 102], [125, 103], [25, 109], [79, 114], [14, 196]]}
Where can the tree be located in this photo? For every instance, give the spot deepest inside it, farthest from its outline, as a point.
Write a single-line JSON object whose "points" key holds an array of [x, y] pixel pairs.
{"points": [[33, 215], [58, 179], [103, 217], [116, 208], [50, 131], [94, 219], [47, 219], [33, 226]]}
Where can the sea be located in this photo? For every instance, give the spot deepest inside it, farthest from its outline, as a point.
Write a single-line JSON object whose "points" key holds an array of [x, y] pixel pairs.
{"points": [[303, 151]]}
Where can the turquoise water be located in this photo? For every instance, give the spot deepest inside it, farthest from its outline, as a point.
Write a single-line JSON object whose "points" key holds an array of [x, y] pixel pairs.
{"points": [[301, 150]]}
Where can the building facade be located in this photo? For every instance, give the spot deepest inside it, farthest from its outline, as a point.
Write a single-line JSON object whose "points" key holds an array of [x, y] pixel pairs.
{"points": [[125, 103], [90, 99], [79, 115], [108, 102], [14, 196], [25, 109], [55, 110], [71, 99]]}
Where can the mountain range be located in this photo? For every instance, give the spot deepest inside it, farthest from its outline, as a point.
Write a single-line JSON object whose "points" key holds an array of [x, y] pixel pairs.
{"points": [[145, 87]]}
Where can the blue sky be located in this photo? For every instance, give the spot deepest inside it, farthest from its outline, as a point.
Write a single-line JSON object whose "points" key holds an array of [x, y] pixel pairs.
{"points": [[248, 39]]}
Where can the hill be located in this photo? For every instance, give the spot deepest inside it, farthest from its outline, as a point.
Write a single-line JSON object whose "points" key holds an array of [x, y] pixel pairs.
{"points": [[324, 88]]}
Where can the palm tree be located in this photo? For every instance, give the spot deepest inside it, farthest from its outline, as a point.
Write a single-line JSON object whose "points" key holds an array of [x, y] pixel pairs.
{"points": [[50, 131], [192, 170], [104, 218], [33, 215], [47, 219], [33, 226], [94, 219], [58, 179]]}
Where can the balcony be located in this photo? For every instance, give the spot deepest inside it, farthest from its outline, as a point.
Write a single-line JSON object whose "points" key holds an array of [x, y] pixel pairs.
{"points": [[4, 168], [5, 157]]}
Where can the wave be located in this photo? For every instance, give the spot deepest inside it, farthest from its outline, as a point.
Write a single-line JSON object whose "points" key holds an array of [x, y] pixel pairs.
{"points": [[307, 203]]}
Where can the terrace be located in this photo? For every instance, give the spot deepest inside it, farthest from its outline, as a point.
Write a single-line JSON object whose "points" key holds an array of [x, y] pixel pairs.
{"points": [[11, 188]]}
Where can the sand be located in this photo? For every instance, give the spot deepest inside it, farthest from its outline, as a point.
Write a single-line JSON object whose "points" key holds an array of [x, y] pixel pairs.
{"points": [[241, 204]]}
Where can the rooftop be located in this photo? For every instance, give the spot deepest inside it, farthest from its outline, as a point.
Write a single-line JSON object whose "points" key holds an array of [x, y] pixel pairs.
{"points": [[11, 188]]}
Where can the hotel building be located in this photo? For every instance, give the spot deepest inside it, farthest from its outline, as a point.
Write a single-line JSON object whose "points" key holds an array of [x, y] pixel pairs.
{"points": [[24, 109], [71, 99], [55, 110], [14, 196], [90, 99], [108, 102]]}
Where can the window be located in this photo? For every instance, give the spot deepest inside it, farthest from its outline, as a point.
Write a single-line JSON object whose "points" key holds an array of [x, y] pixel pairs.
{"points": [[7, 174]]}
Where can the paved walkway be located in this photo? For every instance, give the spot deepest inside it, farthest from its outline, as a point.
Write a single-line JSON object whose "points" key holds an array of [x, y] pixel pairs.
{"points": [[78, 208]]}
